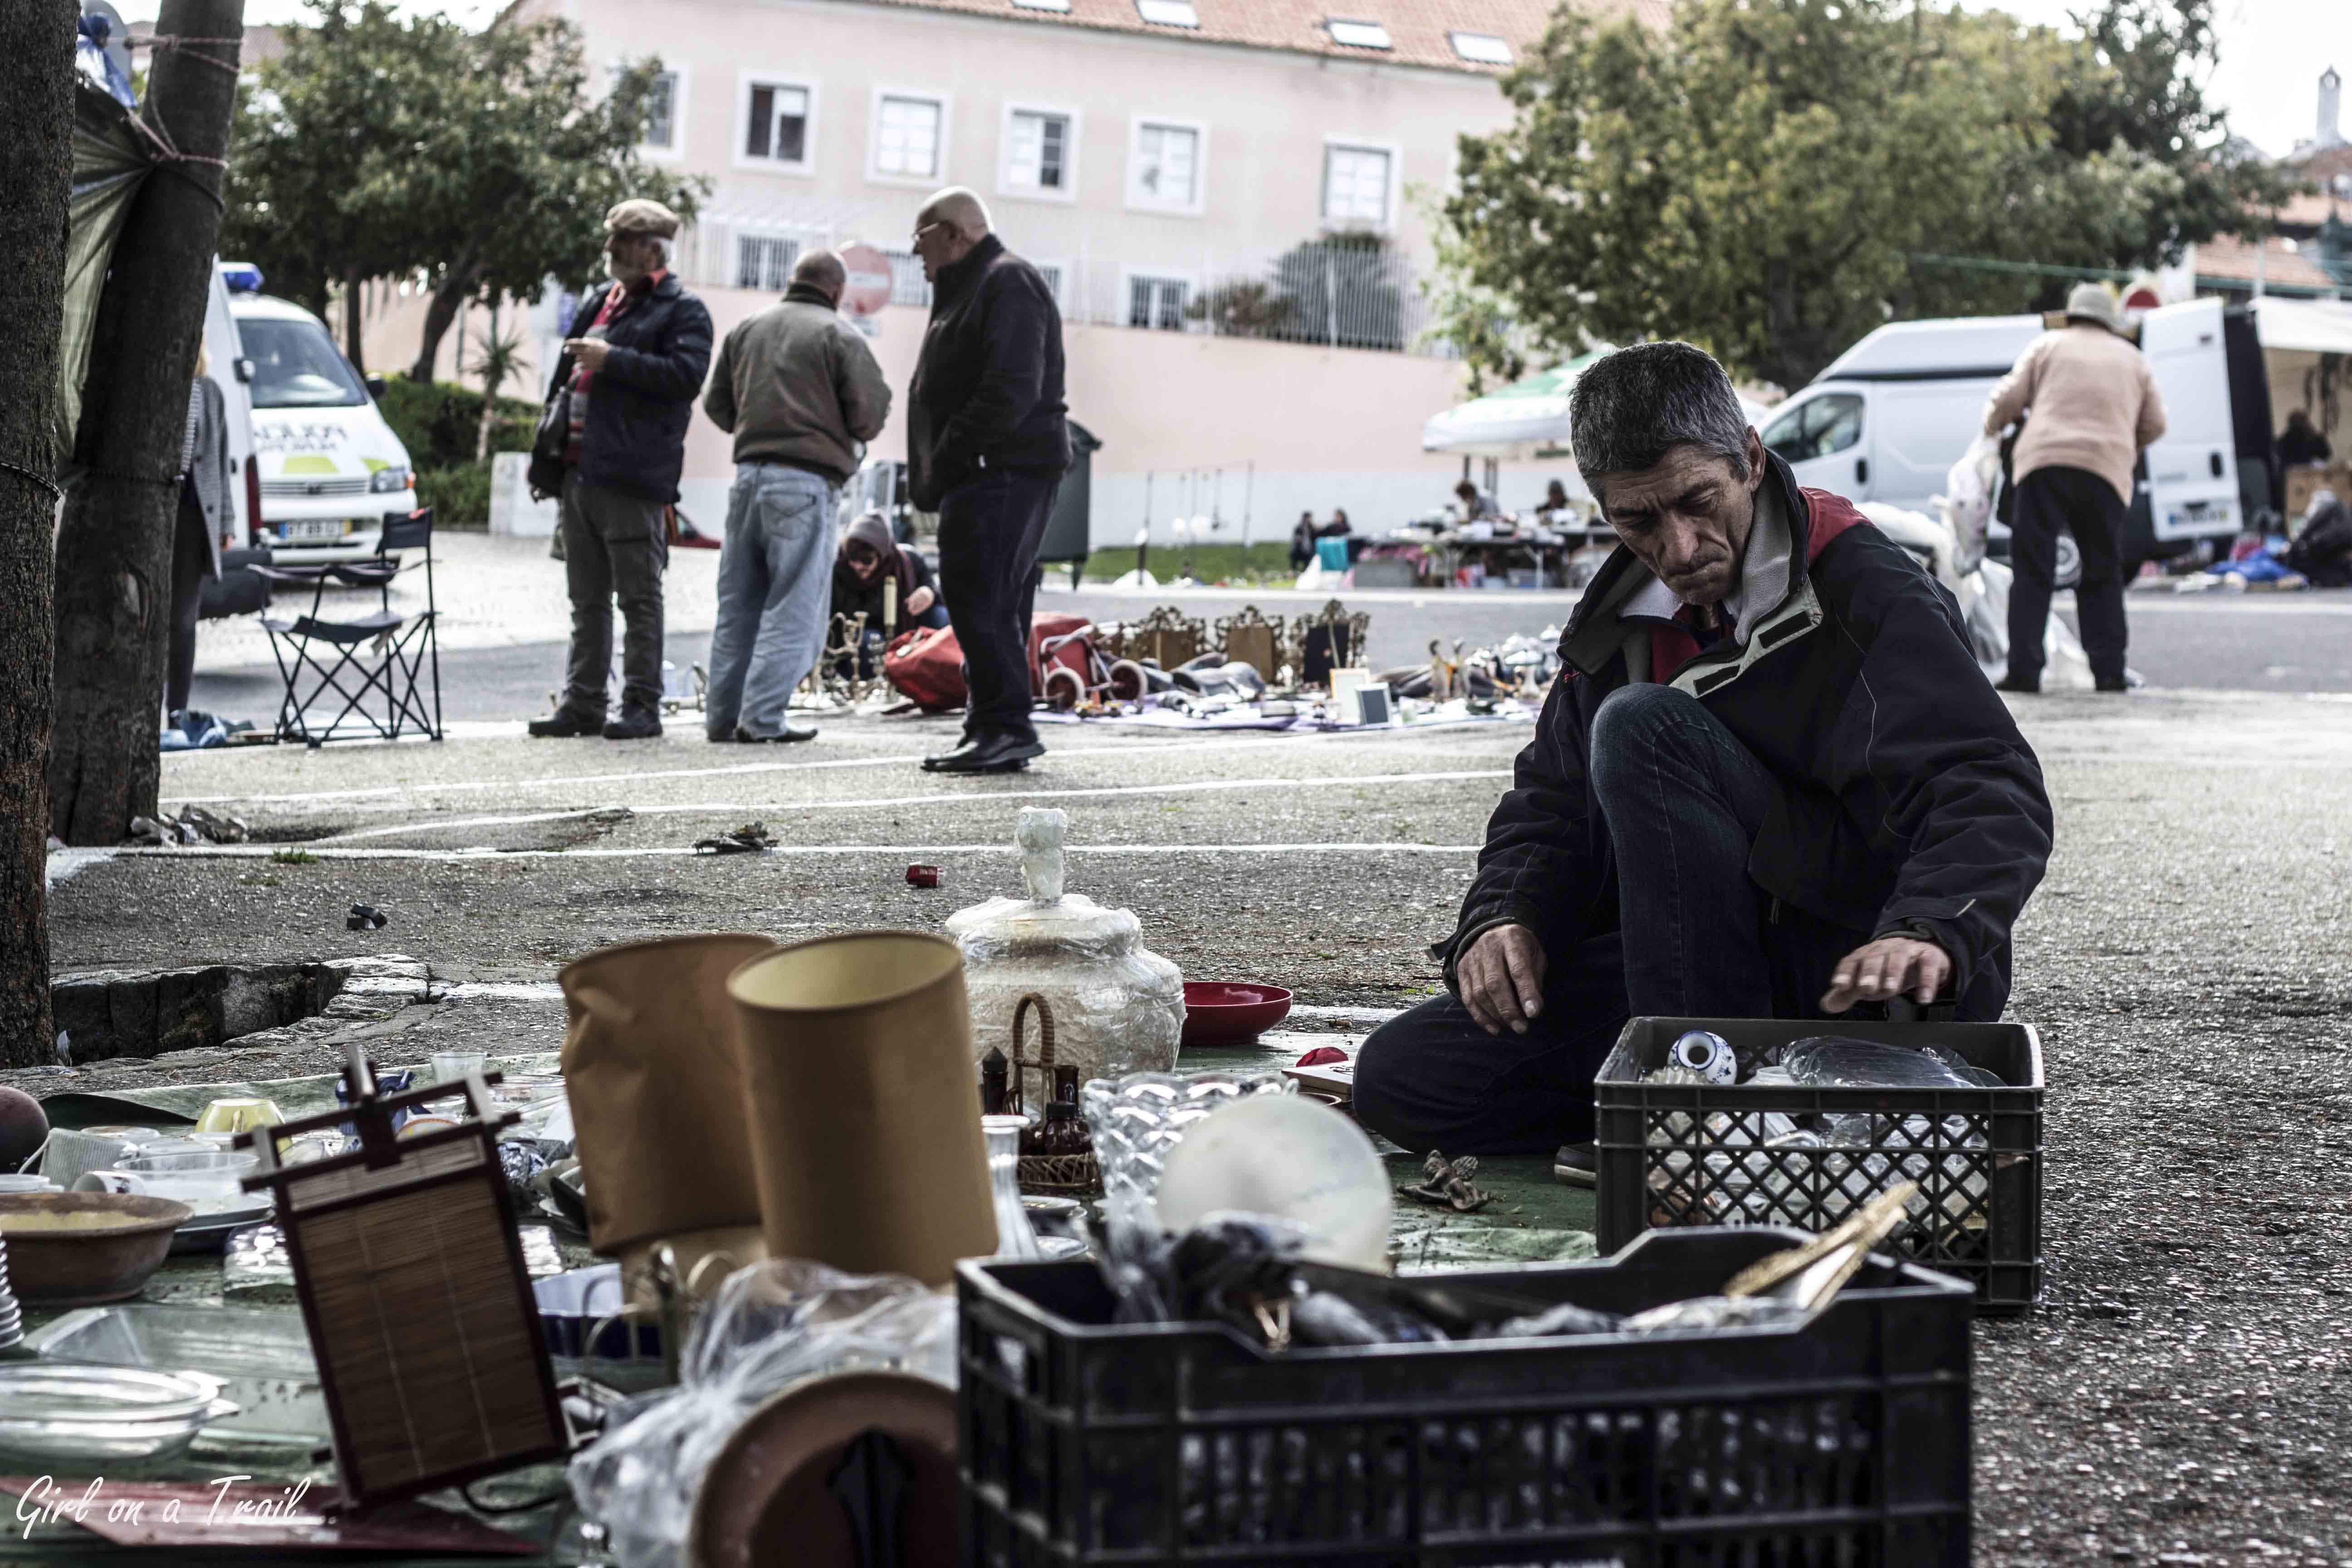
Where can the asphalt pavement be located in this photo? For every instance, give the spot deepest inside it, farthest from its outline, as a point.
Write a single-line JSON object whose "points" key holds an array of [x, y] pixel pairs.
{"points": [[2246, 642], [2180, 1395]]}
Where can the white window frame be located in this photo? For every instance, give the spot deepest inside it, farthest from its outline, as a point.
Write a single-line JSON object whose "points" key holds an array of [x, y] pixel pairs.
{"points": [[1063, 270], [1127, 281], [938, 174], [675, 152], [1137, 198], [745, 81], [1510, 55], [1395, 153], [1004, 185]]}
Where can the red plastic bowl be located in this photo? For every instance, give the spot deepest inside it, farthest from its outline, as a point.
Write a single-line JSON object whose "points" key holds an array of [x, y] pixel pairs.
{"points": [[1217, 1013]]}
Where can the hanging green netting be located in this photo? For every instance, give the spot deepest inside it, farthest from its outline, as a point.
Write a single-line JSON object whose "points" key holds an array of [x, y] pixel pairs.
{"points": [[110, 158]]}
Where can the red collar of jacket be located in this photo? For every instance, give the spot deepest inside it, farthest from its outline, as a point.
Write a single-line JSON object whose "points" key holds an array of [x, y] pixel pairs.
{"points": [[1826, 517]]}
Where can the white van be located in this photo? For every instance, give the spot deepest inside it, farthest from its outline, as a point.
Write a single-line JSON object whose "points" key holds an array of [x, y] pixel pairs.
{"points": [[1889, 417], [331, 468], [225, 368]]}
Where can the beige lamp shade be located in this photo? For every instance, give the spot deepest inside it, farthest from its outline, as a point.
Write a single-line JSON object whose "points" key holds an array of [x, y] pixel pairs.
{"points": [[864, 1114], [656, 1089]]}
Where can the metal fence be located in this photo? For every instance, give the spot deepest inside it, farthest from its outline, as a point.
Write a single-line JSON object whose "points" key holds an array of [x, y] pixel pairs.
{"points": [[1350, 293]]}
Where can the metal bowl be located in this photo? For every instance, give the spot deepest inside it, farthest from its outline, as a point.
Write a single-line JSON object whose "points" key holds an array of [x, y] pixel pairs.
{"points": [[57, 1412], [77, 1249]]}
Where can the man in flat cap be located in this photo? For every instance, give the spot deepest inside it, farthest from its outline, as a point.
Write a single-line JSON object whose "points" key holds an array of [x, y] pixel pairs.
{"points": [[629, 378]]}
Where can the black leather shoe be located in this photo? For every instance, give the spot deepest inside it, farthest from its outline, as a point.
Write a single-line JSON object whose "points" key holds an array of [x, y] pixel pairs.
{"points": [[987, 754], [564, 724], [1576, 1165], [791, 733], [2107, 685], [637, 726], [2023, 686]]}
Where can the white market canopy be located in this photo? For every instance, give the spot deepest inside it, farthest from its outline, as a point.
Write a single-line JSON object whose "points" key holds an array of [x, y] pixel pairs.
{"points": [[1516, 423], [2305, 326]]}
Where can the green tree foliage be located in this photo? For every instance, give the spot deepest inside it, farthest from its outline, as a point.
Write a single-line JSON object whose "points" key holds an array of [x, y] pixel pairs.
{"points": [[1343, 288], [1767, 177], [479, 162]]}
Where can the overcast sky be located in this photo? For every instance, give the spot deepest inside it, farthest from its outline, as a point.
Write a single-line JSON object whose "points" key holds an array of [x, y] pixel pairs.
{"points": [[2272, 52]]}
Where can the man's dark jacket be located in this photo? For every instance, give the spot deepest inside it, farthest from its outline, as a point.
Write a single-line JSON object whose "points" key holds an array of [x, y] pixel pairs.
{"points": [[987, 392], [640, 403], [1909, 804]]}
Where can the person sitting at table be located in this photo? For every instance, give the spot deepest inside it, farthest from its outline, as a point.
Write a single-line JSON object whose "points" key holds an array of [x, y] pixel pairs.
{"points": [[1555, 500], [1302, 541], [2301, 441], [868, 559], [1475, 505]]}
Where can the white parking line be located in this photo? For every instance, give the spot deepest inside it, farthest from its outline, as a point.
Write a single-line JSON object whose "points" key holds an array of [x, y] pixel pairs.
{"points": [[1234, 742], [490, 853], [885, 802]]}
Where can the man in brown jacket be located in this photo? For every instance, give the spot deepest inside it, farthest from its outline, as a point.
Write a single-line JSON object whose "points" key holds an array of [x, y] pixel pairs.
{"points": [[801, 393], [2093, 406]]}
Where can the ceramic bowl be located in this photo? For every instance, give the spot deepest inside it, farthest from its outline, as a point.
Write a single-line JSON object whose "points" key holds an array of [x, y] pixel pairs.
{"points": [[76, 1249], [1220, 1014]]}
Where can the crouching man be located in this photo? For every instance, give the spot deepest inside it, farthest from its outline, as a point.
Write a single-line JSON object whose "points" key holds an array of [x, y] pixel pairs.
{"points": [[1771, 781]]}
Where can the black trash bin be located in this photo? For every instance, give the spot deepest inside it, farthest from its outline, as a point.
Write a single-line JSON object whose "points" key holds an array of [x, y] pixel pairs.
{"points": [[1070, 530]]}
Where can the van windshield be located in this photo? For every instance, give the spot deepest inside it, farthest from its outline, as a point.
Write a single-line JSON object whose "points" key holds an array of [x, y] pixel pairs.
{"points": [[297, 365]]}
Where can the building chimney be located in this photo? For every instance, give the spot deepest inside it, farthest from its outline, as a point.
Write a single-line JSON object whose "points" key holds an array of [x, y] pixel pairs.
{"points": [[2331, 98]]}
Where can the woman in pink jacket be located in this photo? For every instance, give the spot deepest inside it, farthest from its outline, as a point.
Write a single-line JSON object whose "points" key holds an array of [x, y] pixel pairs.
{"points": [[2094, 404]]}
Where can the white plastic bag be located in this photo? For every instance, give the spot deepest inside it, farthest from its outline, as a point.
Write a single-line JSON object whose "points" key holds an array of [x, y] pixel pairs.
{"points": [[2064, 666], [1966, 501]]}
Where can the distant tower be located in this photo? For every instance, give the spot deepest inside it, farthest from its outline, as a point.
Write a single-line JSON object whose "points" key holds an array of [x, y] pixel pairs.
{"points": [[2331, 98]]}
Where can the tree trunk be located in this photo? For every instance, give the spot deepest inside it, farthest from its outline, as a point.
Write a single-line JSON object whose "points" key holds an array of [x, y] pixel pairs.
{"points": [[464, 276], [36, 42], [493, 360], [354, 318], [114, 552]]}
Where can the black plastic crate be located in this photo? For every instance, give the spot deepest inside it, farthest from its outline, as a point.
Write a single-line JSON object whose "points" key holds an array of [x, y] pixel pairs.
{"points": [[1976, 1153], [1842, 1444]]}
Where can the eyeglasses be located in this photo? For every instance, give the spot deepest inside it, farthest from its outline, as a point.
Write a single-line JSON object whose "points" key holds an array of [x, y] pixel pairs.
{"points": [[926, 229]]}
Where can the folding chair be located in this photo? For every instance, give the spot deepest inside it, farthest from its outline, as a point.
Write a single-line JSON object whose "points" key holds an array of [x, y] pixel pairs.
{"points": [[385, 652]]}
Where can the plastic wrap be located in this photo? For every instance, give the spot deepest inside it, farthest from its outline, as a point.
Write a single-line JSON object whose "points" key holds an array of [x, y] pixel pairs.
{"points": [[1833, 1061], [1118, 1007], [770, 1326], [1136, 1120]]}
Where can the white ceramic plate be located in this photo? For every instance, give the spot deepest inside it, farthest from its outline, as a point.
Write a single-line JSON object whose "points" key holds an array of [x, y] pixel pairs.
{"points": [[1295, 1159]]}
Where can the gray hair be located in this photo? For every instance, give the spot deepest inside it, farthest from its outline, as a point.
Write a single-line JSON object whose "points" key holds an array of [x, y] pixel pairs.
{"points": [[664, 249], [1631, 408]]}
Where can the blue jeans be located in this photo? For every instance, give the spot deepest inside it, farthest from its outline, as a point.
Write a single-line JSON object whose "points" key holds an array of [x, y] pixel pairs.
{"points": [[775, 589]]}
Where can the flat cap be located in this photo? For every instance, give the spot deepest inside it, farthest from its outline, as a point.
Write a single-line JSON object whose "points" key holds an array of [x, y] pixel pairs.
{"points": [[639, 215]]}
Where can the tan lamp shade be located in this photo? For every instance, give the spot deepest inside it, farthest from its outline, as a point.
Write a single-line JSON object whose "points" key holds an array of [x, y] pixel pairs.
{"points": [[865, 1115], [656, 1089]]}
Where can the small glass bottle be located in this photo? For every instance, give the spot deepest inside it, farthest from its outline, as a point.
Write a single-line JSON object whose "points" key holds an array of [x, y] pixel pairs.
{"points": [[1016, 1238], [1064, 1133]]}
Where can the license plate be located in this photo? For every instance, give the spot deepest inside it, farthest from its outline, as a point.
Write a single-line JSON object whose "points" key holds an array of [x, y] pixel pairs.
{"points": [[302, 533]]}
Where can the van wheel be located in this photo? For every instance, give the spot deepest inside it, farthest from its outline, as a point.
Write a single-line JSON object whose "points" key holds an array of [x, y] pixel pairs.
{"points": [[2069, 570]]}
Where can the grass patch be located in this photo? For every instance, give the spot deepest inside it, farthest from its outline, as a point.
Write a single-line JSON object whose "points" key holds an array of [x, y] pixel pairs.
{"points": [[1266, 565], [292, 857]]}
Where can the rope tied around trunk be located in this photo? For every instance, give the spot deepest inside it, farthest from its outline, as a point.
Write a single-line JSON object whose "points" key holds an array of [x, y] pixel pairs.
{"points": [[167, 152], [24, 473]]}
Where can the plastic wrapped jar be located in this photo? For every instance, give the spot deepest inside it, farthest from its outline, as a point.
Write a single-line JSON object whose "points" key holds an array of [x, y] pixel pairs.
{"points": [[1118, 1007]]}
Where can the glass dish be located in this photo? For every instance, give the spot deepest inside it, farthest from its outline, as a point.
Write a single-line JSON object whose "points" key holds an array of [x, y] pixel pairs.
{"points": [[56, 1413], [262, 1358]]}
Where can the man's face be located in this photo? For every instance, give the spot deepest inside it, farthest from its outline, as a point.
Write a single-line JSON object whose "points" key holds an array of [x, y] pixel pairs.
{"points": [[939, 245], [863, 562], [1688, 519], [629, 258]]}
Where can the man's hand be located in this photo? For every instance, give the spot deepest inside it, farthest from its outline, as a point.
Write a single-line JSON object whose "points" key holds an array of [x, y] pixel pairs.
{"points": [[919, 601], [588, 351], [1888, 968], [1501, 979]]}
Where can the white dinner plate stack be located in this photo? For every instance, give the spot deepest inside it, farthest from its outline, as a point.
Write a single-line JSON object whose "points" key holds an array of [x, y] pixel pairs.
{"points": [[12, 1317]]}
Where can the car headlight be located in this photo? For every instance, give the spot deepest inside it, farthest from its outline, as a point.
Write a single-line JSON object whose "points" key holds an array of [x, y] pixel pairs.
{"points": [[389, 479]]}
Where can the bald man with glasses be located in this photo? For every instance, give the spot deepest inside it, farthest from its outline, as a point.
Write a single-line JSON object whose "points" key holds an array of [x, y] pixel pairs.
{"points": [[988, 440]]}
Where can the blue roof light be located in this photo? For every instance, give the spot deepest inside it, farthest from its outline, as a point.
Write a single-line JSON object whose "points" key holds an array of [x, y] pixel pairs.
{"points": [[242, 277]]}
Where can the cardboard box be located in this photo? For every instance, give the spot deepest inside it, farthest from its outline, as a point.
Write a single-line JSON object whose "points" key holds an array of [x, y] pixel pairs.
{"points": [[2305, 479]]}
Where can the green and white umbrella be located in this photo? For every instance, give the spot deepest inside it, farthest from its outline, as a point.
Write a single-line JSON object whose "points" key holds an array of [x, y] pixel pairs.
{"points": [[1523, 420]]}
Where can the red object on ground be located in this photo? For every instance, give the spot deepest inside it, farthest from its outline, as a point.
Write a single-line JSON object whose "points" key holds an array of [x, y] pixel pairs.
{"points": [[926, 667], [923, 876], [1321, 1055], [1220, 1014]]}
